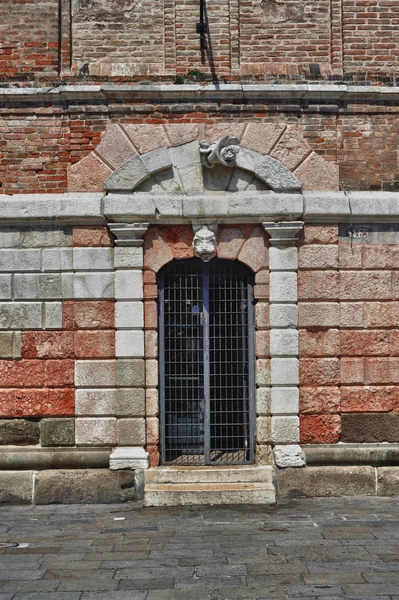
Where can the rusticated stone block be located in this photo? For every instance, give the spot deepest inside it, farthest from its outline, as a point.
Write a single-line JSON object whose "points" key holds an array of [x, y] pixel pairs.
{"points": [[318, 285], [95, 344], [351, 314], [319, 371], [291, 148], [327, 482], [46, 344], [130, 402], [180, 240], [229, 242], [10, 344], [93, 314], [352, 370], [349, 256], [377, 256], [319, 400], [388, 481], [381, 314], [369, 399], [130, 432], [57, 432], [318, 314], [152, 430], [84, 486], [95, 403], [316, 173], [18, 432], [22, 373], [318, 257], [59, 373], [156, 250], [100, 431], [319, 342], [16, 403], [321, 234], [378, 370], [261, 137], [262, 315], [254, 253], [16, 487], [370, 285], [370, 428], [150, 314], [320, 429], [88, 175], [365, 343], [115, 147]]}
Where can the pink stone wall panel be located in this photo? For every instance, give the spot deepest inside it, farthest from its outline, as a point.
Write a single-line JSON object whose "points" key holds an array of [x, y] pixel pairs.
{"points": [[365, 339]]}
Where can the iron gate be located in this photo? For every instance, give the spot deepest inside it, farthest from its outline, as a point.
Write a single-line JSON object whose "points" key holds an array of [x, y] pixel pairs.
{"points": [[206, 363]]}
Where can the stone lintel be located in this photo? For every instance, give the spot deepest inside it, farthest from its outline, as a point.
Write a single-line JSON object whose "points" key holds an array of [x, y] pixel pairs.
{"points": [[283, 233], [129, 234]]}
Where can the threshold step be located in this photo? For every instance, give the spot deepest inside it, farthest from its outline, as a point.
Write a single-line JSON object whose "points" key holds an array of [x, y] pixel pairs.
{"points": [[209, 493], [210, 474]]}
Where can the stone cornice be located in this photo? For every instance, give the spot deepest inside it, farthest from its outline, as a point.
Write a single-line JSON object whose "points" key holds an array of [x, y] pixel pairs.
{"points": [[240, 207], [244, 93]]}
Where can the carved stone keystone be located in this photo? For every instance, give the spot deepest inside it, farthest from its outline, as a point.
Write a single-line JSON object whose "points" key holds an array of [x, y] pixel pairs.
{"points": [[204, 242]]}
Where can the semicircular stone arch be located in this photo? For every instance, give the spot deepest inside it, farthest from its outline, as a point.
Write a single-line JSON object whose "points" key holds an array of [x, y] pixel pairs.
{"points": [[165, 159], [180, 170]]}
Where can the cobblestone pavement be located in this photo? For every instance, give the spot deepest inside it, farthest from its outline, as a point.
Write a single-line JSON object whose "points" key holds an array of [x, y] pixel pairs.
{"points": [[319, 548]]}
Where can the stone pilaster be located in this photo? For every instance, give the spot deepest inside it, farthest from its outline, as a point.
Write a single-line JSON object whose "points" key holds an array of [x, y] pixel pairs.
{"points": [[129, 350], [284, 364]]}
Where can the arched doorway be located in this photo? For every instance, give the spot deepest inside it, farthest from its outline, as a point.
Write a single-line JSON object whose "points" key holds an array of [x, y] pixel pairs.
{"points": [[206, 352]]}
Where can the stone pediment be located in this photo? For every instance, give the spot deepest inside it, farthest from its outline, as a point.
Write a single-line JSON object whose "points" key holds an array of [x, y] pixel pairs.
{"points": [[201, 168]]}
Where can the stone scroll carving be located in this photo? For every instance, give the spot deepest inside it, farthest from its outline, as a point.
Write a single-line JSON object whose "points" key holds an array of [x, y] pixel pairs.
{"points": [[224, 151], [204, 242]]}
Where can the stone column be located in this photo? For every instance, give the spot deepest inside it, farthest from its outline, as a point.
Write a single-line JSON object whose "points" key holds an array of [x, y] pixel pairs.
{"points": [[284, 364], [129, 348]]}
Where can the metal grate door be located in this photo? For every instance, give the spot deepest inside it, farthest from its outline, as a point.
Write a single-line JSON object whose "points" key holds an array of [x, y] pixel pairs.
{"points": [[206, 363]]}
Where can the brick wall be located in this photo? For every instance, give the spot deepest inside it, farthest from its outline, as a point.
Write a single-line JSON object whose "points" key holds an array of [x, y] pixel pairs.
{"points": [[348, 339], [370, 36], [28, 38], [118, 38], [121, 39], [37, 151]]}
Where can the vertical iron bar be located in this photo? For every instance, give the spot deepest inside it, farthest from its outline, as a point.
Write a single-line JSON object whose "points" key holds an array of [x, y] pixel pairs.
{"points": [[251, 371], [207, 385], [161, 383]]}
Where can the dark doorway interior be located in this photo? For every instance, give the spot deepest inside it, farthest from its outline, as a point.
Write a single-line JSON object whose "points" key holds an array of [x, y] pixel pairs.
{"points": [[206, 363]]}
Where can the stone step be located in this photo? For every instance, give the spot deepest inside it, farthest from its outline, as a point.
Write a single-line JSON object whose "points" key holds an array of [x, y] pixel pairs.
{"points": [[228, 474], [181, 494]]}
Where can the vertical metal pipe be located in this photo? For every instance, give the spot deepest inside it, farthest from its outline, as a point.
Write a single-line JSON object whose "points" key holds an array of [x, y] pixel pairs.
{"points": [[207, 378]]}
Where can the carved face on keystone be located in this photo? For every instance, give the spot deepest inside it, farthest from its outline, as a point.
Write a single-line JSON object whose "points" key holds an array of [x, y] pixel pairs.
{"points": [[204, 244], [229, 153]]}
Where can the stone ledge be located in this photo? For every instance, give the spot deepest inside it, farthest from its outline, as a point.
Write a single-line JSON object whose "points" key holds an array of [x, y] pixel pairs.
{"points": [[338, 481], [242, 207], [69, 207], [205, 93], [351, 454], [67, 486], [325, 482], [31, 457]]}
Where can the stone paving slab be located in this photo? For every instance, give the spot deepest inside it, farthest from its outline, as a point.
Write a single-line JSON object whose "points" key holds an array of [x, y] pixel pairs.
{"points": [[307, 549]]}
